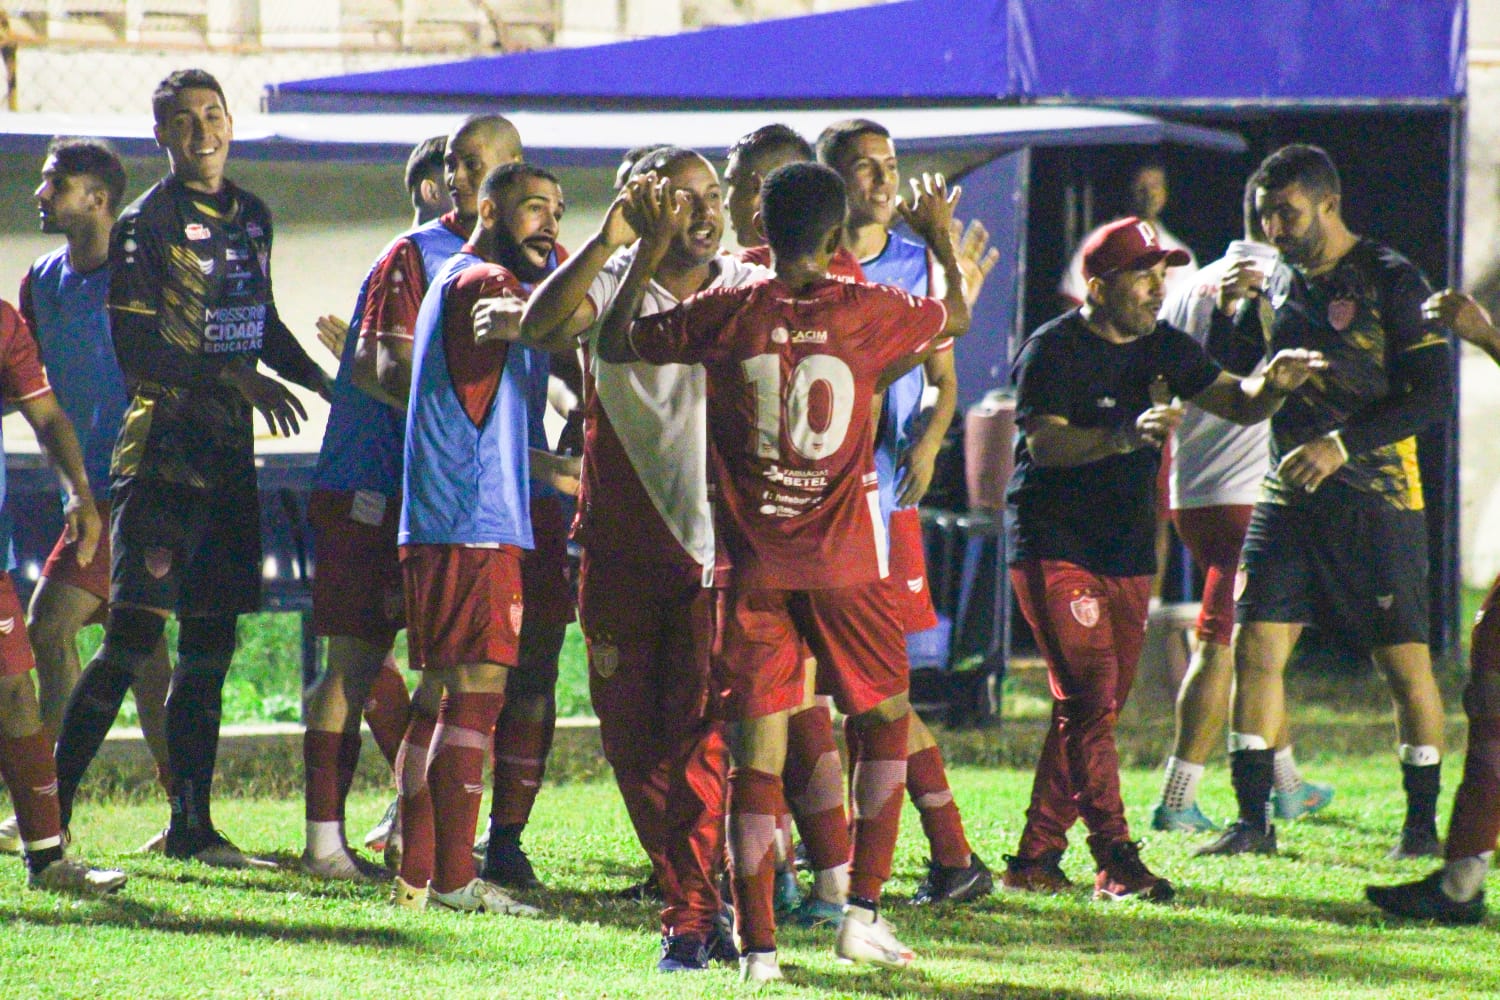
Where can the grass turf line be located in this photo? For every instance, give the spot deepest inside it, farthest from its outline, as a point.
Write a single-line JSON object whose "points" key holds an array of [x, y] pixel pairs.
{"points": [[1293, 926]]}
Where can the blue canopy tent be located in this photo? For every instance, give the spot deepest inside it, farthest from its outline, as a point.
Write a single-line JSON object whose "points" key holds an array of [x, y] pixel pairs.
{"points": [[1379, 83]]}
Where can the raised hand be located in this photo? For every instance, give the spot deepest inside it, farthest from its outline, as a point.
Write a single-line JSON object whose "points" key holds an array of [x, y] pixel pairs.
{"points": [[497, 318], [1460, 313], [332, 333], [930, 212], [1244, 279], [976, 258], [664, 213], [619, 228], [1289, 369]]}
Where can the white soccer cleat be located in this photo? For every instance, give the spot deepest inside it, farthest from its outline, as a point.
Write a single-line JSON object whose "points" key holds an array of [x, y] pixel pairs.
{"points": [[76, 878], [866, 937], [759, 967], [10, 835], [219, 852], [380, 834], [344, 865], [408, 897], [480, 896]]}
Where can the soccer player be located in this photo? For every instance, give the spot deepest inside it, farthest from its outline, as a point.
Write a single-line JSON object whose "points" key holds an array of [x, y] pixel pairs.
{"points": [[649, 550], [425, 182], [863, 154], [1083, 503], [191, 312], [792, 363], [1454, 894], [1215, 473], [63, 302], [25, 744], [465, 520], [1339, 538], [354, 508]]}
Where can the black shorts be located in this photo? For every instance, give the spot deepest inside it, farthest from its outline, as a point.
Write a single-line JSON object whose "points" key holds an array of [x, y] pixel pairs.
{"points": [[1343, 561], [196, 552]]}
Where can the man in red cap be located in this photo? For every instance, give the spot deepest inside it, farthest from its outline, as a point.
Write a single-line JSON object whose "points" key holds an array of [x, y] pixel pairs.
{"points": [[1094, 403]]}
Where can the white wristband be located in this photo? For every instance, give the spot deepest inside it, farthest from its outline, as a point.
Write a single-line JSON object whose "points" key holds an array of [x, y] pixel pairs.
{"points": [[1338, 439]]}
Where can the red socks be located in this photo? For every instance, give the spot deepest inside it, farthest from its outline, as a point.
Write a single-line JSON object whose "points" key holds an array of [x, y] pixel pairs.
{"points": [[754, 803], [31, 775], [387, 708], [320, 773], [521, 749], [814, 785], [1475, 824], [879, 774], [415, 799], [455, 774], [927, 784]]}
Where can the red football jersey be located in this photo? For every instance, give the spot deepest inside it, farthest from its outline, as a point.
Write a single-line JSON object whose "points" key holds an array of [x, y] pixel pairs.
{"points": [[843, 265], [397, 285], [22, 376], [790, 379]]}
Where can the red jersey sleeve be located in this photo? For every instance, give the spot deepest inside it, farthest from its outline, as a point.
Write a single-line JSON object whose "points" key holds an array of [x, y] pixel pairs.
{"points": [[898, 323], [22, 376], [475, 368], [395, 294], [687, 334]]}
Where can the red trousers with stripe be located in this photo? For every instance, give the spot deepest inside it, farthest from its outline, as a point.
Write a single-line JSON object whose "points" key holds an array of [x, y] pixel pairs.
{"points": [[1475, 823]]}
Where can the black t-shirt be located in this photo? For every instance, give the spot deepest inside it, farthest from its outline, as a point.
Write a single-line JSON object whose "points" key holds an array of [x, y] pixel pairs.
{"points": [[1102, 515], [190, 291], [1365, 315]]}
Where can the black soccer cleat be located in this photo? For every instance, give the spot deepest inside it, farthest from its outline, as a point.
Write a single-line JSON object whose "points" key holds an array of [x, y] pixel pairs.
{"points": [[506, 864], [1416, 842], [954, 885], [1426, 900], [1241, 838], [683, 953]]}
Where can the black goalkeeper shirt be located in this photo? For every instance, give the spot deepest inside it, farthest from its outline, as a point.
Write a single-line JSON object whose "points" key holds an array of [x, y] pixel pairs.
{"points": [[190, 292]]}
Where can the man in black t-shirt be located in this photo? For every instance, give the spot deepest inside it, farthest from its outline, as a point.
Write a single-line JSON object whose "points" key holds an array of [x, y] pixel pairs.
{"points": [[1092, 405], [1338, 539], [191, 313]]}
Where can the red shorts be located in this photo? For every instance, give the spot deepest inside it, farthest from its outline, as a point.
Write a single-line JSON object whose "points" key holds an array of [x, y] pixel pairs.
{"points": [[62, 565], [15, 648], [356, 585], [1214, 535], [463, 605], [544, 570], [852, 631], [907, 579]]}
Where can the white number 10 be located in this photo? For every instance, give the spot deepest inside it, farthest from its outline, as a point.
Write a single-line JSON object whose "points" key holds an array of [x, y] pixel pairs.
{"points": [[764, 373]]}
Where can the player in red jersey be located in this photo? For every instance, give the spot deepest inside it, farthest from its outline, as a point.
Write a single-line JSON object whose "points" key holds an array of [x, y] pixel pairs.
{"points": [[1454, 893], [792, 362]]}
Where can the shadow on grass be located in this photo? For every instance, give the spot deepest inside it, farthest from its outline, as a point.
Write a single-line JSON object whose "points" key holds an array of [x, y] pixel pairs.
{"points": [[135, 915]]}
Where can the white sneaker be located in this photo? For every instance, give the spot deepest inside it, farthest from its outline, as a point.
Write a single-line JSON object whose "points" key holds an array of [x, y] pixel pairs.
{"points": [[344, 865], [866, 937], [218, 852], [481, 844], [67, 875], [156, 845], [408, 897], [10, 835], [380, 833], [759, 967], [480, 896]]}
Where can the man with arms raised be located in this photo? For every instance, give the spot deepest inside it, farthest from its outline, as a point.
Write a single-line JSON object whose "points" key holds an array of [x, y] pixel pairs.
{"points": [[792, 363], [649, 553], [191, 313]]}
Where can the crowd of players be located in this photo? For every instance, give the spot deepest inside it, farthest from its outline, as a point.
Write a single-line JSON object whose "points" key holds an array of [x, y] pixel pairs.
{"points": [[754, 446]]}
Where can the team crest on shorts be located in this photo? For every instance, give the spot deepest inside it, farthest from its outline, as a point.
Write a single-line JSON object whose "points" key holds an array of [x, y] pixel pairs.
{"points": [[1085, 610], [158, 562], [1341, 313], [517, 612], [915, 584], [7, 625], [605, 658]]}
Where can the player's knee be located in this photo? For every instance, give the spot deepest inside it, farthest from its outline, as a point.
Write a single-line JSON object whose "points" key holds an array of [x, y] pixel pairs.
{"points": [[532, 683], [893, 708], [206, 644], [133, 632]]}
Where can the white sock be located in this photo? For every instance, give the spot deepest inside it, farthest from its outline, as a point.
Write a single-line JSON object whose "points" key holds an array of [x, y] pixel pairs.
{"points": [[831, 885], [1284, 774], [1464, 877], [1419, 756], [1179, 788], [1247, 741], [324, 837]]}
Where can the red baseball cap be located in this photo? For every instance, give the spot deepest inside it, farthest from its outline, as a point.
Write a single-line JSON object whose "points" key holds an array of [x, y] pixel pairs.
{"points": [[1127, 244]]}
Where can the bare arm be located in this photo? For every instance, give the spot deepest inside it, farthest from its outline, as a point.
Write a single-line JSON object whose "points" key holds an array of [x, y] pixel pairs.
{"points": [[1251, 400], [55, 434], [663, 213], [393, 369], [1055, 443], [921, 457], [930, 216], [366, 373], [1465, 317]]}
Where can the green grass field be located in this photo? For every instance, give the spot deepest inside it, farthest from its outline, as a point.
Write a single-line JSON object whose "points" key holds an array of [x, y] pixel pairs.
{"points": [[1291, 926]]}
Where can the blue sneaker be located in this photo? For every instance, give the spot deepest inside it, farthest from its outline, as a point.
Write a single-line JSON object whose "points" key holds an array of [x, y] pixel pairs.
{"points": [[788, 894], [815, 912], [683, 953], [1189, 820], [1303, 802]]}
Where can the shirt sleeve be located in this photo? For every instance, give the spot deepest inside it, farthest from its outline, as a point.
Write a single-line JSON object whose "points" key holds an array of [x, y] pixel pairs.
{"points": [[686, 334], [602, 291], [901, 324], [28, 309], [1402, 313], [394, 295], [1185, 365], [22, 376], [1042, 386]]}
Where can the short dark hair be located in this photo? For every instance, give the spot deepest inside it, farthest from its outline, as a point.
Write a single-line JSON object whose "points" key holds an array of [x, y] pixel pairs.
{"points": [[1301, 164], [799, 204], [835, 140], [176, 82], [662, 158], [767, 139], [503, 177], [425, 162], [92, 158], [632, 156]]}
